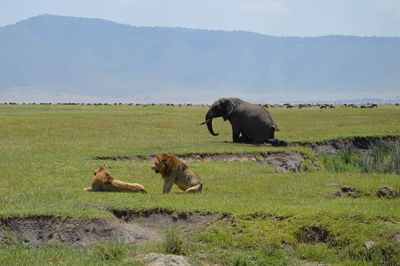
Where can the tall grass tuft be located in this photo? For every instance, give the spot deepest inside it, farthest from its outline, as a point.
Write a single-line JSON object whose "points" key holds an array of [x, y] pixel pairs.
{"points": [[110, 251], [174, 241], [346, 161], [241, 261], [382, 157]]}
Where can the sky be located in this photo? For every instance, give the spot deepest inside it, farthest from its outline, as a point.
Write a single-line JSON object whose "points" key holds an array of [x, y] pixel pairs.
{"points": [[272, 17]]}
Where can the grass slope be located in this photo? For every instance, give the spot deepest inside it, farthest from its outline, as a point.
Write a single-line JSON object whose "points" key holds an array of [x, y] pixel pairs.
{"points": [[47, 155]]}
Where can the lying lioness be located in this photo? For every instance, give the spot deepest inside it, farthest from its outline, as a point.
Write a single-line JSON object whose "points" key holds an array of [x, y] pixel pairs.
{"points": [[174, 171], [103, 181]]}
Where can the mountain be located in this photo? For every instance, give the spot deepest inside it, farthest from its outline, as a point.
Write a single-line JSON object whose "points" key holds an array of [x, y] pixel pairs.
{"points": [[57, 58]]}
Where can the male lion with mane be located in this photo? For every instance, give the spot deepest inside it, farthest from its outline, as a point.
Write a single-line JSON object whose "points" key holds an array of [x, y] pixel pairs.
{"points": [[103, 181], [174, 171]]}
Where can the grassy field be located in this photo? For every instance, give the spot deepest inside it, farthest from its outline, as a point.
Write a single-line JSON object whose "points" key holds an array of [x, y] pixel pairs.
{"points": [[48, 154]]}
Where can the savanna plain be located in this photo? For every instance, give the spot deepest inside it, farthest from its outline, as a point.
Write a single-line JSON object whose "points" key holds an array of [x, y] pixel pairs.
{"points": [[258, 216]]}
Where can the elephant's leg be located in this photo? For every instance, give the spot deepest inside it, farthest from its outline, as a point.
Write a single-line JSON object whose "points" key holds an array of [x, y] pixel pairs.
{"points": [[260, 137], [244, 139], [266, 135], [236, 133], [274, 142]]}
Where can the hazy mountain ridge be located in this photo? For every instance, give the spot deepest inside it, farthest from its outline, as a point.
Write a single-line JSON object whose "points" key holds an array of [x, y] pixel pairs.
{"points": [[56, 56]]}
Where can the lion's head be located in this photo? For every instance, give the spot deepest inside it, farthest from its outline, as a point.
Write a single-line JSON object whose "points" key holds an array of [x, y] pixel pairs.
{"points": [[103, 175], [165, 164]]}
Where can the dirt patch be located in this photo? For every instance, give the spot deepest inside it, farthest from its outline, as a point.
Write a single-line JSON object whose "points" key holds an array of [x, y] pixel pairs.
{"points": [[155, 219], [283, 161], [130, 227], [312, 234], [333, 147], [348, 192], [264, 216], [37, 230], [385, 192], [159, 259]]}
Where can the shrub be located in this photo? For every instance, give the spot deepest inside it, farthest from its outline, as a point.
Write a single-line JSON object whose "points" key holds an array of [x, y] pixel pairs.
{"points": [[174, 241]]}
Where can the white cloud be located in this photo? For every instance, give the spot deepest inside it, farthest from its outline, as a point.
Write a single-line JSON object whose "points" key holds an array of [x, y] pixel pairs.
{"points": [[269, 7], [392, 6]]}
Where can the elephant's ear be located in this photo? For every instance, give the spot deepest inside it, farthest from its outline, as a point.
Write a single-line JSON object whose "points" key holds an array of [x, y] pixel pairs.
{"points": [[228, 108]]}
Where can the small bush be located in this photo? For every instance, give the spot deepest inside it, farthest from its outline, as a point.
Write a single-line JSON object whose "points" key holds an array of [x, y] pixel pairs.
{"points": [[174, 241]]}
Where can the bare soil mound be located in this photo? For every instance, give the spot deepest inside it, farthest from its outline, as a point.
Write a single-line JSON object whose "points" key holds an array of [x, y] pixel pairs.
{"points": [[130, 227], [386, 192], [349, 192]]}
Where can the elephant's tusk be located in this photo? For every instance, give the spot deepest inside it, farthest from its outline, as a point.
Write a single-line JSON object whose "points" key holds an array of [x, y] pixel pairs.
{"points": [[205, 122]]}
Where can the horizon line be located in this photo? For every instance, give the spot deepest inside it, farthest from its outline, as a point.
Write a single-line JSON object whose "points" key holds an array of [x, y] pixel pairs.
{"points": [[201, 29]]}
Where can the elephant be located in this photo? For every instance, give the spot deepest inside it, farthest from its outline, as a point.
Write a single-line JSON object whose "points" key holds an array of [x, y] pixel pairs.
{"points": [[251, 123]]}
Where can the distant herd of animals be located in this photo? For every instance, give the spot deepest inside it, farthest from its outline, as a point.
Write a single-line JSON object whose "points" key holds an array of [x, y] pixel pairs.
{"points": [[286, 105]]}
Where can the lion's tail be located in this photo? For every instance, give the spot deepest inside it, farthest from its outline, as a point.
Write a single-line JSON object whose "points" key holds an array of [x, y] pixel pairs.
{"points": [[128, 187]]}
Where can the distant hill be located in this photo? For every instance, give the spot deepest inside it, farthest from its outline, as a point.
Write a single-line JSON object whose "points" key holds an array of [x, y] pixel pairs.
{"points": [[57, 58]]}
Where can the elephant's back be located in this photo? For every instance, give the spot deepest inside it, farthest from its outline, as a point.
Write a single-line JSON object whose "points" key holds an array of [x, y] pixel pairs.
{"points": [[255, 113], [256, 122]]}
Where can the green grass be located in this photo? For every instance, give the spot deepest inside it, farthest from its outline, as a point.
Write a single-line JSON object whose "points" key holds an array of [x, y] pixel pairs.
{"points": [[381, 157], [100, 253], [47, 156]]}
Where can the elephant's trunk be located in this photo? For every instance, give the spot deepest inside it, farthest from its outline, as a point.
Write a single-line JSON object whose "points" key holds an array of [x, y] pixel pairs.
{"points": [[209, 118]]}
